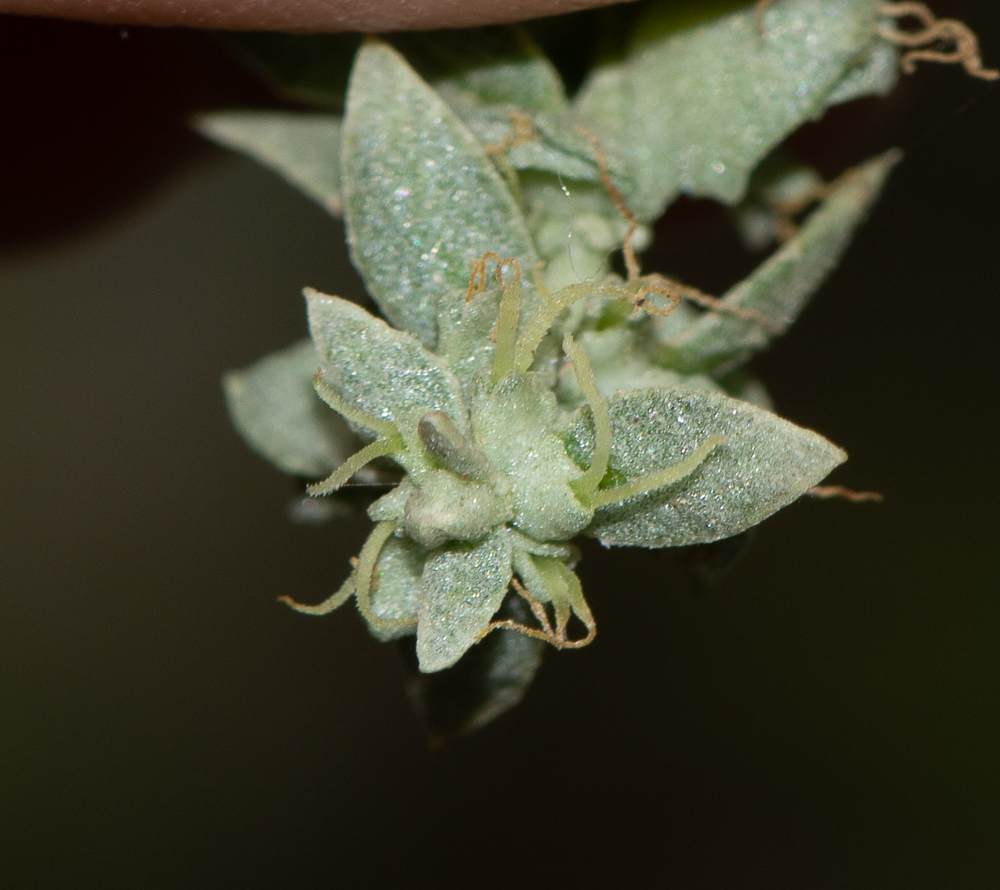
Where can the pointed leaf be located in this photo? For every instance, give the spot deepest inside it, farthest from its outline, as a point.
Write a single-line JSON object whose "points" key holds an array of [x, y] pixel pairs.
{"points": [[765, 463], [463, 586], [698, 108], [422, 200], [275, 409], [499, 66], [490, 679], [488, 74], [303, 148], [383, 371], [782, 285], [395, 595]]}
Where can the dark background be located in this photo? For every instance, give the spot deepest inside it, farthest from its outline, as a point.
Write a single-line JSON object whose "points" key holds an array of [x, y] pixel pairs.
{"points": [[826, 716]]}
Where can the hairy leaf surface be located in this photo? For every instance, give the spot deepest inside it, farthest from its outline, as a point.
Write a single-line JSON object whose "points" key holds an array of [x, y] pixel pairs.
{"points": [[463, 585], [275, 409], [395, 595], [422, 201], [383, 371], [764, 464], [513, 424], [696, 109]]}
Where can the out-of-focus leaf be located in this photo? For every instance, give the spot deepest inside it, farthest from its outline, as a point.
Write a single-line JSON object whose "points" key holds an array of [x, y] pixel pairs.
{"points": [[764, 464], [307, 68], [875, 75], [422, 200], [696, 109], [382, 371], [781, 286], [463, 586], [575, 225], [491, 74], [274, 407], [498, 66], [303, 148], [490, 678]]}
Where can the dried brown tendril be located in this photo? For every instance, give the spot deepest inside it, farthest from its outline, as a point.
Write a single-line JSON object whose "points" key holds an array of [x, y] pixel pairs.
{"points": [[478, 276], [553, 633], [655, 283], [521, 130], [933, 31]]}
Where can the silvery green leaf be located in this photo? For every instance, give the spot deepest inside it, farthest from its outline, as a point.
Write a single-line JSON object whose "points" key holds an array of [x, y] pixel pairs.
{"points": [[463, 586], [464, 332], [384, 372], [781, 286], [498, 66], [513, 423], [488, 74], [557, 150], [490, 679], [698, 108], [764, 464], [619, 359], [422, 200], [396, 593], [304, 148], [392, 505], [275, 409], [466, 327], [575, 225]]}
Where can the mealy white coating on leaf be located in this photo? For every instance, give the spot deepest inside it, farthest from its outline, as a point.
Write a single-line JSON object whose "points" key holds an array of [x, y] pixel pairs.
{"points": [[422, 201], [514, 424], [465, 329], [463, 586], [575, 226], [395, 593], [383, 371], [447, 508], [619, 359], [765, 464], [302, 147], [487, 75], [782, 285], [501, 68], [392, 505], [697, 109], [274, 408]]}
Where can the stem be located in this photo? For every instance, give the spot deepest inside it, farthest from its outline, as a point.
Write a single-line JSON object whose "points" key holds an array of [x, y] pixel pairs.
{"points": [[659, 479]]}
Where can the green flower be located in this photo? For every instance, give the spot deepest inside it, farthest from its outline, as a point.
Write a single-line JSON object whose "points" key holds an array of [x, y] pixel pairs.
{"points": [[499, 478], [571, 402]]}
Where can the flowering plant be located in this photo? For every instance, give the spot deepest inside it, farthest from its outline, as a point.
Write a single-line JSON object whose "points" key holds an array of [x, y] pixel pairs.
{"points": [[527, 392]]}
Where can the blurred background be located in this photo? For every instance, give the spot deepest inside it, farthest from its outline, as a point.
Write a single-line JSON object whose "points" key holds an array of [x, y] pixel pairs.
{"points": [[825, 715]]}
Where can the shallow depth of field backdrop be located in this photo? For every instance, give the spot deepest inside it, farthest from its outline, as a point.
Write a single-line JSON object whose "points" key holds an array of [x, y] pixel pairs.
{"points": [[828, 715]]}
